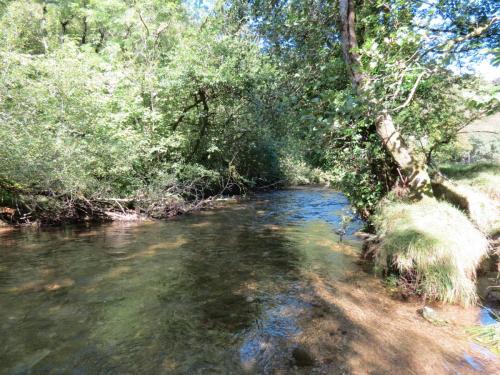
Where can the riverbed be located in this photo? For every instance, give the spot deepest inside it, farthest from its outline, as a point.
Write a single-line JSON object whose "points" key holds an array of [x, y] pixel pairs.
{"points": [[265, 285]]}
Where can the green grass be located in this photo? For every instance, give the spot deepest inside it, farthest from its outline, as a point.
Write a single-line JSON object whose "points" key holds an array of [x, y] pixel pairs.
{"points": [[433, 247], [481, 183], [484, 176], [469, 171], [488, 336]]}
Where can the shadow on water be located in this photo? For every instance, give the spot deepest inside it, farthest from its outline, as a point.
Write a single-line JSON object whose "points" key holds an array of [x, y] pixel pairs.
{"points": [[163, 297], [260, 287]]}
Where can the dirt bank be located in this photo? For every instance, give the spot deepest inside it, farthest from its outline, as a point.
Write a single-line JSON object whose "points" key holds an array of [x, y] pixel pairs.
{"points": [[365, 331]]}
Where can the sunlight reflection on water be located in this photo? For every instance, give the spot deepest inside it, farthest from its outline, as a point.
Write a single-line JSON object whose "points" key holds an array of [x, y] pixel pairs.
{"points": [[201, 293]]}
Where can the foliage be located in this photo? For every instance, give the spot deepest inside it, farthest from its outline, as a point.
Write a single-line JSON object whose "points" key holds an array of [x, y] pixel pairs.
{"points": [[433, 248], [103, 100], [298, 172], [136, 100], [407, 62]]}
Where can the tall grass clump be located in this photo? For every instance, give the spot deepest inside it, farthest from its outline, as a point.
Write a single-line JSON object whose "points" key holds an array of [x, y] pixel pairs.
{"points": [[432, 247]]}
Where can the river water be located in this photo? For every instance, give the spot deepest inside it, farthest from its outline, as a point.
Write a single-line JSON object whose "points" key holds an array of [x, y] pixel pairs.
{"points": [[217, 292], [191, 295]]}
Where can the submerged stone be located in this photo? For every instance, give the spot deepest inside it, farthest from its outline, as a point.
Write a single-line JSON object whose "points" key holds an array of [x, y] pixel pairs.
{"points": [[302, 357]]}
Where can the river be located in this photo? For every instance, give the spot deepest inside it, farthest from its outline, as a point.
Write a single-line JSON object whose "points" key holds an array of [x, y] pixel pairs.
{"points": [[259, 286]]}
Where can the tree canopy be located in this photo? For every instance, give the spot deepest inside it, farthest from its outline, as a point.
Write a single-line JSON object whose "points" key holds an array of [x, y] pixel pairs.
{"points": [[150, 101]]}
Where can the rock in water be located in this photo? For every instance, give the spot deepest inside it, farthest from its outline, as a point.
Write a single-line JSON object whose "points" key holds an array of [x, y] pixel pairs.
{"points": [[302, 357]]}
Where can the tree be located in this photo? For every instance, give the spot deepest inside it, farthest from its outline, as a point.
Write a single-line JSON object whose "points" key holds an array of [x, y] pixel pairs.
{"points": [[410, 162], [132, 100], [108, 101], [415, 169]]}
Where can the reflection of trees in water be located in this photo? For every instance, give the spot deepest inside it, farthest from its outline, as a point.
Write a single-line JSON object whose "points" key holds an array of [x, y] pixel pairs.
{"points": [[167, 297], [218, 290], [57, 290]]}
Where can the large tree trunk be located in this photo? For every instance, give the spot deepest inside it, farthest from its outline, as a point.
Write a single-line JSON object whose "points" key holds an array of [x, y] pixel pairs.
{"points": [[414, 169]]}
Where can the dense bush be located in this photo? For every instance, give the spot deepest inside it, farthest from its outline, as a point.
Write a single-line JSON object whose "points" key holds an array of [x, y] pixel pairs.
{"points": [[104, 100]]}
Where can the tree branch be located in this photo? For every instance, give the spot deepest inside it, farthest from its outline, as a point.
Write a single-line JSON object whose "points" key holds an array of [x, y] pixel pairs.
{"points": [[448, 46], [184, 112], [479, 131], [144, 23], [412, 93], [203, 121]]}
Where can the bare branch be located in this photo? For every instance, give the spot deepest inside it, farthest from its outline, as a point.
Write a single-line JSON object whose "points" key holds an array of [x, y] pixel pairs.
{"points": [[144, 23], [412, 93], [478, 131]]}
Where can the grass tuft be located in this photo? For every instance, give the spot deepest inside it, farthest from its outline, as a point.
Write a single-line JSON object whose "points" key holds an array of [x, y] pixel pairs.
{"points": [[433, 248]]}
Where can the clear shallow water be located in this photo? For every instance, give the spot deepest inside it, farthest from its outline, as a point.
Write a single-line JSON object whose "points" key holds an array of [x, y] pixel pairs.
{"points": [[487, 316], [214, 292]]}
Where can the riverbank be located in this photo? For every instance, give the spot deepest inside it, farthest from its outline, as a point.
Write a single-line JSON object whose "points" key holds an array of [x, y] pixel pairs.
{"points": [[103, 210], [433, 247], [57, 211], [361, 330]]}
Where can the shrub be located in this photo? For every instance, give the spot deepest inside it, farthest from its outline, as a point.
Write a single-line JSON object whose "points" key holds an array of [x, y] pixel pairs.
{"points": [[297, 172]]}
